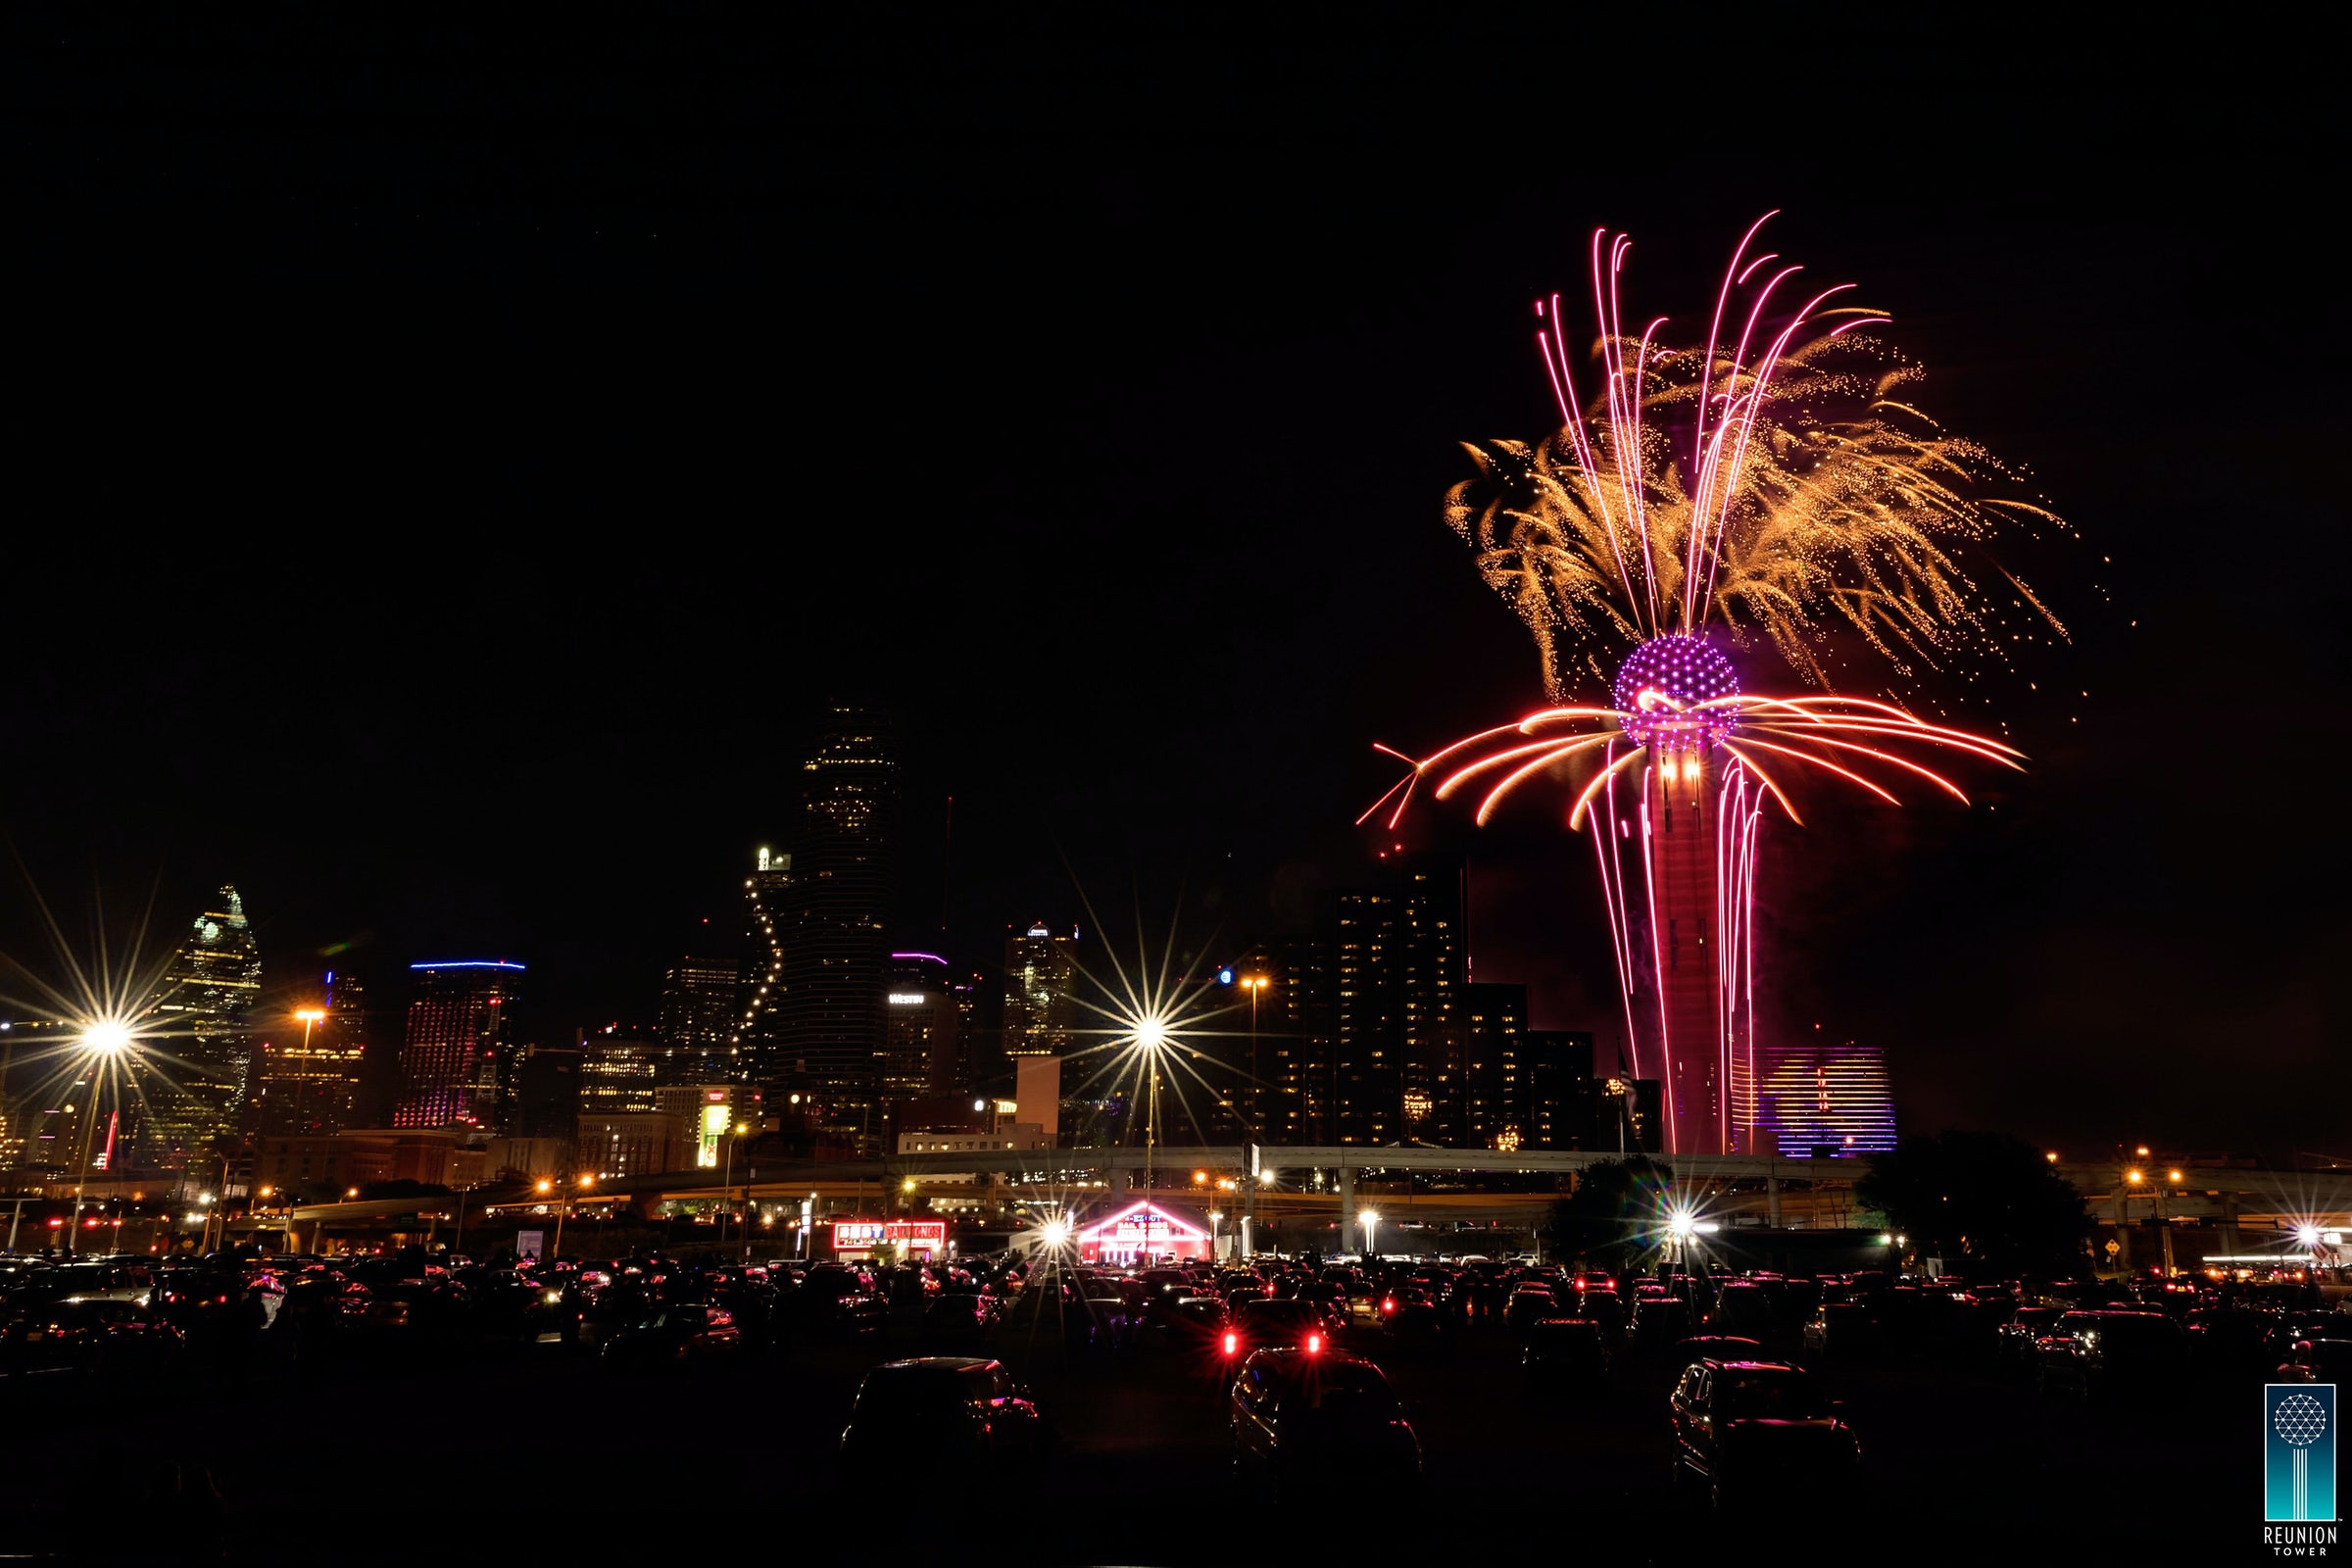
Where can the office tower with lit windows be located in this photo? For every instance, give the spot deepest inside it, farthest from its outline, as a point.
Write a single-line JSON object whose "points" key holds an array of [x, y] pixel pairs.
{"points": [[1823, 1101], [700, 998], [1041, 971], [308, 1075], [202, 1014], [1398, 956], [756, 1043], [457, 1062], [829, 1017], [920, 1025], [619, 1070]]}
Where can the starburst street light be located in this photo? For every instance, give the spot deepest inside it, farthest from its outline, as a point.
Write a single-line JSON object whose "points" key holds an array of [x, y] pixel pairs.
{"points": [[1150, 1030]]}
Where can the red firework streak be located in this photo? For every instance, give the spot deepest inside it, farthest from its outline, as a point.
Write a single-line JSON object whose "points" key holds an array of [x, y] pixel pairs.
{"points": [[1674, 775]]}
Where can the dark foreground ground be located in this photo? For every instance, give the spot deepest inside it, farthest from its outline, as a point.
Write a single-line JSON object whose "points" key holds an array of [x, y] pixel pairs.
{"points": [[533, 1453]]}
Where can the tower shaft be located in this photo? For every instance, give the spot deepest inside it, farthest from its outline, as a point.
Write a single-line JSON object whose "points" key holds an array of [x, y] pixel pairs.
{"points": [[1685, 871]]}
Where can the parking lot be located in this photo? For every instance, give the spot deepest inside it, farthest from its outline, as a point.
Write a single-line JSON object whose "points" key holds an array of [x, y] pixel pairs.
{"points": [[376, 1460]]}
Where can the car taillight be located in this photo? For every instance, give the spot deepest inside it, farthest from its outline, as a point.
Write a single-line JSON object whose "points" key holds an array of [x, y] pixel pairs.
{"points": [[1387, 1304], [1314, 1343], [1232, 1343]]}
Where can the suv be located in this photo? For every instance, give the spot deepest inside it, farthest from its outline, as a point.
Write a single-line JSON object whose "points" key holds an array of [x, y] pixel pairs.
{"points": [[1738, 1425], [941, 1407]]}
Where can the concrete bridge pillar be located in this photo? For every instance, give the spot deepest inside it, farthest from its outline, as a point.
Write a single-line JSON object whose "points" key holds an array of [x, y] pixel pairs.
{"points": [[1346, 1206], [1772, 1196]]}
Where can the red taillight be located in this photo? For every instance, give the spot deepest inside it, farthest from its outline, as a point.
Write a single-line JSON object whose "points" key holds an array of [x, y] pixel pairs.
{"points": [[1232, 1343], [1387, 1304], [1314, 1343]]}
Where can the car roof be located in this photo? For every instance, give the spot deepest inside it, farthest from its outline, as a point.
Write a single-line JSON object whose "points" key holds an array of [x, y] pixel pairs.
{"points": [[1714, 1366], [937, 1363]]}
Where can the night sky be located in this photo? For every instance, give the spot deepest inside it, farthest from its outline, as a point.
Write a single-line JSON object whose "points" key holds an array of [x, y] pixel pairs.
{"points": [[447, 468]]}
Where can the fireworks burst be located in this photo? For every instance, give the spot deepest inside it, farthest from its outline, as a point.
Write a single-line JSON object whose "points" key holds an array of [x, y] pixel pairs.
{"points": [[1801, 495]]}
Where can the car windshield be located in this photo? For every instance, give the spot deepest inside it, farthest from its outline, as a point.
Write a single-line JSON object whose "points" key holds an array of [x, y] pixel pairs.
{"points": [[1768, 1395]]}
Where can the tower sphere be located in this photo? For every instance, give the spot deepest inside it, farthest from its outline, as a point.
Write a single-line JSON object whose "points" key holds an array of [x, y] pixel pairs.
{"points": [[1660, 687]]}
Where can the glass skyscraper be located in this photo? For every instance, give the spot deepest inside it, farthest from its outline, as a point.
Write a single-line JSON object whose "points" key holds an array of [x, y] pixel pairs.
{"points": [[202, 1013], [832, 950]]}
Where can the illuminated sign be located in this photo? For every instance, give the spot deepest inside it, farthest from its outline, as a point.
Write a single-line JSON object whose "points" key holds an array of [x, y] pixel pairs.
{"points": [[925, 1236], [714, 1127], [1142, 1229], [906, 998]]}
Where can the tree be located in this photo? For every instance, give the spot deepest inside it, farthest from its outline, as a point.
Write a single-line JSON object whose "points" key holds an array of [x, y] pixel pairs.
{"points": [[1617, 1206], [1984, 1202]]}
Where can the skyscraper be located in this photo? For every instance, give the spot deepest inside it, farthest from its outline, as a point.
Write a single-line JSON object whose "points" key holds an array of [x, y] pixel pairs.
{"points": [[698, 1019], [307, 1079], [1283, 1064], [920, 1025], [619, 1070], [202, 1010], [757, 1038], [829, 1018], [1489, 1106], [1400, 957], [456, 1066], [1041, 1019]]}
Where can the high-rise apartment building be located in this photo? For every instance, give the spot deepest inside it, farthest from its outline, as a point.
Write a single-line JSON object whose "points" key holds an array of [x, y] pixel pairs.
{"points": [[757, 1041], [457, 1062], [201, 1013], [829, 1018], [1563, 1107], [1486, 1100], [1398, 955], [919, 1026], [1278, 1041], [700, 998], [1041, 974]]}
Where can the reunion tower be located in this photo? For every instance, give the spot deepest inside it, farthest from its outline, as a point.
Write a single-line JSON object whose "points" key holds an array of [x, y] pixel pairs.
{"points": [[1788, 495]]}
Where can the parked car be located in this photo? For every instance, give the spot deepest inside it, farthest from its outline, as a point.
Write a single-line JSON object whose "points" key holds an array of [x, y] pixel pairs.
{"points": [[1305, 1420], [2110, 1354], [1565, 1352], [2317, 1361], [1738, 1426], [940, 1409], [1841, 1330], [678, 1334], [1300, 1324]]}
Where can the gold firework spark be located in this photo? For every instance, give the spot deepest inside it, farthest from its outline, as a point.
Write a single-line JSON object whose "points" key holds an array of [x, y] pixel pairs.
{"points": [[1777, 482]]}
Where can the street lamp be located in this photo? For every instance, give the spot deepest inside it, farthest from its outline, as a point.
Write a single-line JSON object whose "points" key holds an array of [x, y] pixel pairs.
{"points": [[563, 1209], [106, 1039], [1151, 1036]]}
